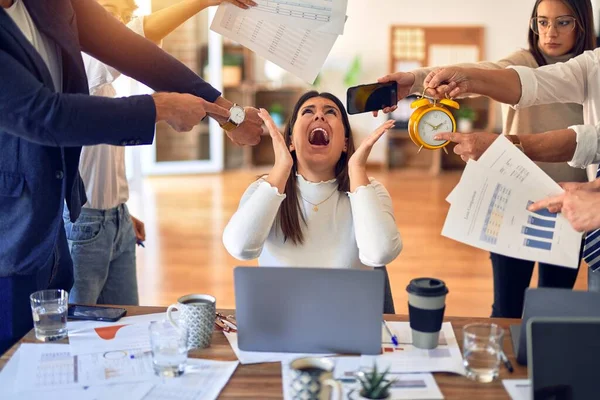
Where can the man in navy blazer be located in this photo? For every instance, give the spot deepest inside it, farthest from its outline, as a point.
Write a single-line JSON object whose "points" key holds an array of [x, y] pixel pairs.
{"points": [[42, 129]]}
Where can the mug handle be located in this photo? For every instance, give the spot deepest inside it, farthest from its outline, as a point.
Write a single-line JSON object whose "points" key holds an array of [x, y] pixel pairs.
{"points": [[170, 317], [337, 388]]}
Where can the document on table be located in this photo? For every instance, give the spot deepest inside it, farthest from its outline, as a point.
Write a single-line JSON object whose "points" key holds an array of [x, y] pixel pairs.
{"points": [[405, 386], [319, 15], [87, 337], [257, 357], [298, 50], [48, 368], [518, 389], [488, 209], [407, 358], [203, 379]]}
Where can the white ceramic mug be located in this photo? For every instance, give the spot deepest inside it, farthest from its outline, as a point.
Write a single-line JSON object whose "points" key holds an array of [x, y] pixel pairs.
{"points": [[197, 313], [311, 378]]}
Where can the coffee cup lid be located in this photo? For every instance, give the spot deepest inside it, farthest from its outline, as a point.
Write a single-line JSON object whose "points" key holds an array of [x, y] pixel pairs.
{"points": [[427, 287]]}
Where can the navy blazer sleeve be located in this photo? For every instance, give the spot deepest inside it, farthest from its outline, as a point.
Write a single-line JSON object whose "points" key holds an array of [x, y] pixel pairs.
{"points": [[111, 42], [31, 110]]}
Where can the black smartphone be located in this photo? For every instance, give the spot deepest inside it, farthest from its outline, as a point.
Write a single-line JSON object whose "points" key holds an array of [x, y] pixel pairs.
{"points": [[371, 97], [96, 313]]}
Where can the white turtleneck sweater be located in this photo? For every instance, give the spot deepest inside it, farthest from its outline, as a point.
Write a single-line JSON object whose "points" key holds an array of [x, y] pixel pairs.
{"points": [[349, 230]]}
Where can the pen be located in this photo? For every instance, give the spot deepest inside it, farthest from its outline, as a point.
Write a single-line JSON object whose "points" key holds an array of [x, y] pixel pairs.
{"points": [[140, 243], [392, 336], [506, 362]]}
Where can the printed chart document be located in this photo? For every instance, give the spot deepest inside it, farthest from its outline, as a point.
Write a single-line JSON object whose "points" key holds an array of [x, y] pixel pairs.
{"points": [[407, 358], [319, 15], [518, 389], [203, 380], [257, 357], [47, 368], [405, 386], [488, 209], [299, 50], [86, 337]]}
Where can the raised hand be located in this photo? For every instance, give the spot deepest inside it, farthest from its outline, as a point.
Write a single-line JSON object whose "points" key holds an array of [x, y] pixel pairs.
{"points": [[283, 159], [405, 81], [357, 165]]}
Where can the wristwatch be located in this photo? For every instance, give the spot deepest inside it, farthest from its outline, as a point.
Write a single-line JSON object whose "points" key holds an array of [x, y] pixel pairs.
{"points": [[516, 141], [236, 117]]}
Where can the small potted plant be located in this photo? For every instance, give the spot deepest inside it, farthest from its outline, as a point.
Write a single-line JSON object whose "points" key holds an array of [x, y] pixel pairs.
{"points": [[465, 116], [374, 385]]}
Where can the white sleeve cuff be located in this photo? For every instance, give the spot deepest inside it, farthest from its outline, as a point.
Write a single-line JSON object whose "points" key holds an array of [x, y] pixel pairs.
{"points": [[529, 86], [586, 152], [269, 191]]}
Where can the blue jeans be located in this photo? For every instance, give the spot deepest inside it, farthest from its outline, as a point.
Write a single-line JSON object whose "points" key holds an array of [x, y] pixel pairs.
{"points": [[102, 245]]}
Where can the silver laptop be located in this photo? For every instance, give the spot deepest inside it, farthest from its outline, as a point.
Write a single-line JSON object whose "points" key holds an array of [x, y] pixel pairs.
{"points": [[564, 357], [548, 302], [309, 310]]}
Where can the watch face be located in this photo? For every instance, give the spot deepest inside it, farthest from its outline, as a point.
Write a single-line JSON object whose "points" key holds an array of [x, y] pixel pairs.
{"points": [[237, 114], [432, 123]]}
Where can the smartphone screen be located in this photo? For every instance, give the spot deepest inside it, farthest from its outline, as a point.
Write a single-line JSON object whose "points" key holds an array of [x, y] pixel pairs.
{"points": [[371, 97], [96, 313]]}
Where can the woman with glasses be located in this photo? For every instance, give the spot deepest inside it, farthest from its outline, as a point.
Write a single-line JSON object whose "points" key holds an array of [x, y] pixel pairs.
{"points": [[102, 241], [559, 30]]}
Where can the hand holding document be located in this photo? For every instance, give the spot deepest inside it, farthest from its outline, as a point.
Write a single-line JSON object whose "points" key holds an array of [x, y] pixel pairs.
{"points": [[297, 36], [488, 209]]}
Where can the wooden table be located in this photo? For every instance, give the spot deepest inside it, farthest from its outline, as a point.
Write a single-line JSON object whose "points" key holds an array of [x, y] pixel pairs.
{"points": [[263, 381]]}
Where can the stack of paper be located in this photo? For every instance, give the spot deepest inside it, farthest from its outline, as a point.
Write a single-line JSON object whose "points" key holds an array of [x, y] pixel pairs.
{"points": [[296, 35], [50, 369], [488, 209]]}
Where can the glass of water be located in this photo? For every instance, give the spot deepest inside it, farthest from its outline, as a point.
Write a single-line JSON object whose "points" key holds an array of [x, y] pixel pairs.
{"points": [[169, 348], [49, 309], [482, 347]]}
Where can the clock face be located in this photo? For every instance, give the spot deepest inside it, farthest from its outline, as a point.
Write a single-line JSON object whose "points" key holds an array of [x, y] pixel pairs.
{"points": [[237, 114], [433, 122]]}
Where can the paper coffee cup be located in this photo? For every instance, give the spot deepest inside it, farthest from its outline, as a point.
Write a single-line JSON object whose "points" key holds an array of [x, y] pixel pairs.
{"points": [[426, 305]]}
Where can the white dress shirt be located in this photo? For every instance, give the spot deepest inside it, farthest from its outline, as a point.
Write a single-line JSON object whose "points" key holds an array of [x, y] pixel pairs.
{"points": [[349, 230], [46, 48], [575, 81], [102, 167]]}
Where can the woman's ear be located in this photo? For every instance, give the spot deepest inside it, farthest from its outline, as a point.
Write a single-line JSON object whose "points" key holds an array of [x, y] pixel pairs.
{"points": [[345, 145], [292, 148]]}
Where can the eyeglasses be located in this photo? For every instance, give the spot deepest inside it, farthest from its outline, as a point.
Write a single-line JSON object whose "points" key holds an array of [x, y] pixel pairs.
{"points": [[562, 25]]}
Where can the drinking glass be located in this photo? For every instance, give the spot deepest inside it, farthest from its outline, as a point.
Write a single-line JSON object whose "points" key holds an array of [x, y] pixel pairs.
{"points": [[169, 348], [482, 347], [49, 309]]}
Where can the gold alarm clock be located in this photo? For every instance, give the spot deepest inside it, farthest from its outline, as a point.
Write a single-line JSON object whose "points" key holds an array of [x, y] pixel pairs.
{"points": [[430, 118]]}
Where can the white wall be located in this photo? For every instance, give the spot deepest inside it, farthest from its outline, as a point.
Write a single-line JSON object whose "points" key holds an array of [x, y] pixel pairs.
{"points": [[367, 34]]}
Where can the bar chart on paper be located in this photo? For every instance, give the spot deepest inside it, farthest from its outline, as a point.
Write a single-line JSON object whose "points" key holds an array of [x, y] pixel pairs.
{"points": [[495, 214], [539, 230]]}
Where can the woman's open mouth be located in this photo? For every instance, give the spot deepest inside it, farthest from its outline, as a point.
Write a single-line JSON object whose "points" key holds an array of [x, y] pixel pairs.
{"points": [[318, 137]]}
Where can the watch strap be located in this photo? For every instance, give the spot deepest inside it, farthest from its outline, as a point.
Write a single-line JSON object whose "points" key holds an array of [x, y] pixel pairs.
{"points": [[229, 126]]}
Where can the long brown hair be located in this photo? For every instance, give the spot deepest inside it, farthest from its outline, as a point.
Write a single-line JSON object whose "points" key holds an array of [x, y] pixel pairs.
{"points": [[586, 36], [291, 218]]}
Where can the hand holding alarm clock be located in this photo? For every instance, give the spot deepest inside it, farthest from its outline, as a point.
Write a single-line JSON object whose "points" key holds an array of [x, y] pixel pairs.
{"points": [[430, 118]]}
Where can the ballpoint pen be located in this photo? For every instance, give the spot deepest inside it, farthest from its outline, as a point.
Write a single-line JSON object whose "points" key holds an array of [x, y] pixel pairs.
{"points": [[506, 362], [140, 243], [392, 336]]}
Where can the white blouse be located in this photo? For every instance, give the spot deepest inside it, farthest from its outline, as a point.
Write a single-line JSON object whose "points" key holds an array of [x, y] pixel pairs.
{"points": [[349, 230], [574, 81]]}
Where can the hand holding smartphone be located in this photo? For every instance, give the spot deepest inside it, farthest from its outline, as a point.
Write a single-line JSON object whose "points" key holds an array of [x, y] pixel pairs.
{"points": [[95, 313], [371, 97]]}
